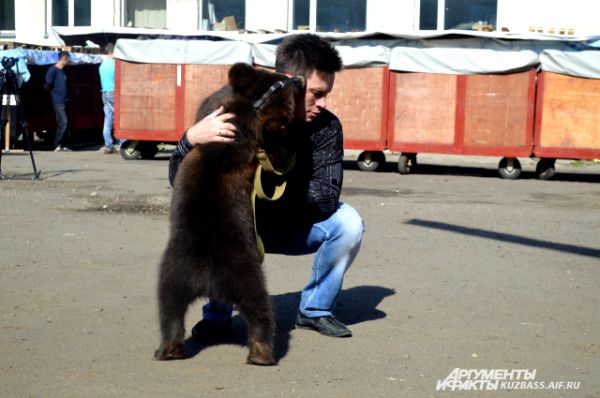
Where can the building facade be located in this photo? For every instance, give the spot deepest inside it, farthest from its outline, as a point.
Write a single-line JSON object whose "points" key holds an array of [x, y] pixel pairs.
{"points": [[31, 21]]}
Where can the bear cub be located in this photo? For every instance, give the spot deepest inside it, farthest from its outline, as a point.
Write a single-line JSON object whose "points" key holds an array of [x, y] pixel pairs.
{"points": [[212, 250]]}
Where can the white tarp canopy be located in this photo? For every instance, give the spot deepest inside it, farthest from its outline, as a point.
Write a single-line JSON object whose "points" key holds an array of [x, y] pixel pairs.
{"points": [[165, 51], [472, 55], [352, 56], [264, 55], [466, 54], [572, 63], [460, 61]]}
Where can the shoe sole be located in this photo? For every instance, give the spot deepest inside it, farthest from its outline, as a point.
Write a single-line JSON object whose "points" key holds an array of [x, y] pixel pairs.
{"points": [[296, 326]]}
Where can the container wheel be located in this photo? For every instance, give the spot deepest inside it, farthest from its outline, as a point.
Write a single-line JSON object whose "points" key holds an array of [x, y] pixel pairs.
{"points": [[130, 150], [148, 149], [509, 168], [544, 170], [370, 160], [406, 162]]}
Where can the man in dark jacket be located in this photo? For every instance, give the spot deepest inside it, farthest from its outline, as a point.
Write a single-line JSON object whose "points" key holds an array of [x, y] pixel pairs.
{"points": [[56, 81], [309, 218]]}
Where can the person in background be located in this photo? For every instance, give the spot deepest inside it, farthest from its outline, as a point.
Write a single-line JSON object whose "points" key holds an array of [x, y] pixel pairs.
{"points": [[56, 81], [107, 81]]}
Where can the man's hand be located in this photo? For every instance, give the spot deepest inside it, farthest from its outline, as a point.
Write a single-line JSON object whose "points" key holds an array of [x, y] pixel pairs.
{"points": [[213, 128]]}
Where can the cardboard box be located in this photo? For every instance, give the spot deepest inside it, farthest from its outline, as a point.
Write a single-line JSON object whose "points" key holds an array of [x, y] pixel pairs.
{"points": [[230, 23]]}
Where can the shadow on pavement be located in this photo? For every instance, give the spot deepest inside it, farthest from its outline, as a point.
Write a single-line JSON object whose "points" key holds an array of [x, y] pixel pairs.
{"points": [[355, 305], [510, 238]]}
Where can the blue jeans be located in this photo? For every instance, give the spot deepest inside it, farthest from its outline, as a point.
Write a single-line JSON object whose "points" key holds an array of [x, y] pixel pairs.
{"points": [[60, 110], [334, 241], [108, 99]]}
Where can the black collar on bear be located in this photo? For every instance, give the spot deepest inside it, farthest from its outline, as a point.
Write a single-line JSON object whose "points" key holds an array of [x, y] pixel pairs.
{"points": [[271, 90]]}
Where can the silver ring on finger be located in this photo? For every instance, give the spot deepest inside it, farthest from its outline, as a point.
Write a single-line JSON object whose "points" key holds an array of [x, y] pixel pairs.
{"points": [[220, 131]]}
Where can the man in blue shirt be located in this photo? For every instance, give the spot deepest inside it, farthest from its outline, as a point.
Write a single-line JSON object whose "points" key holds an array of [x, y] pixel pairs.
{"points": [[56, 80], [107, 81]]}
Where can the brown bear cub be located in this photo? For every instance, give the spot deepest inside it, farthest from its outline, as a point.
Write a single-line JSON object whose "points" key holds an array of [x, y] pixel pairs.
{"points": [[212, 249]]}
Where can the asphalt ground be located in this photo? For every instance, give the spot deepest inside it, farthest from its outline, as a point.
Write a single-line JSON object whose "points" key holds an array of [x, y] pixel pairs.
{"points": [[459, 269]]}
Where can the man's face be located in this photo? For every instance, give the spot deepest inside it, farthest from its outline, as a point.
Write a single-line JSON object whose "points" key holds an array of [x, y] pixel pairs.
{"points": [[318, 86]]}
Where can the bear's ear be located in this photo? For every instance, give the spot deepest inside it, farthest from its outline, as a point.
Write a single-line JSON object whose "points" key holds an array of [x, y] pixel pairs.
{"points": [[241, 75]]}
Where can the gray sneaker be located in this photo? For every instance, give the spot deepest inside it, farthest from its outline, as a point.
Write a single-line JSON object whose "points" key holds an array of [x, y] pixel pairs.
{"points": [[326, 325]]}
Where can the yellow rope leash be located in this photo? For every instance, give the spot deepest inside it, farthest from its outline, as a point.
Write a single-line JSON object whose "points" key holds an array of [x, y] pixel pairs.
{"points": [[264, 164]]}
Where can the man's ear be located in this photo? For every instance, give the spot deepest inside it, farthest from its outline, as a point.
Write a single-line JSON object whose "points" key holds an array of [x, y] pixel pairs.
{"points": [[300, 85], [241, 76]]}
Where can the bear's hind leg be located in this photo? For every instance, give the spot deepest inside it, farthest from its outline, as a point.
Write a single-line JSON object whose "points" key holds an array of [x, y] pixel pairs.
{"points": [[261, 327], [174, 297], [172, 328]]}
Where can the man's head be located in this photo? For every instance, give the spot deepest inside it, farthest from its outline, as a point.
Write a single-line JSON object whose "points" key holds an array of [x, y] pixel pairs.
{"points": [[109, 49], [64, 57], [314, 58]]}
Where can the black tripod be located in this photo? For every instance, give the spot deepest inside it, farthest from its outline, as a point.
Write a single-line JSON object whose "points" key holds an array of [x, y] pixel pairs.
{"points": [[11, 105]]}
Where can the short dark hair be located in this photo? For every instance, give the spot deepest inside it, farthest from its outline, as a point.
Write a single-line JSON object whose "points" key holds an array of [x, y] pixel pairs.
{"points": [[109, 49], [64, 54], [301, 54]]}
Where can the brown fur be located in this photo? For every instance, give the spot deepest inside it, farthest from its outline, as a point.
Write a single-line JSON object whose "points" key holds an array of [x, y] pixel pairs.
{"points": [[212, 250]]}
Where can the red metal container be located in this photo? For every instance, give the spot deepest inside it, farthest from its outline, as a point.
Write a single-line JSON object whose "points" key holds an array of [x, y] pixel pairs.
{"points": [[157, 102], [360, 100], [567, 120], [484, 115]]}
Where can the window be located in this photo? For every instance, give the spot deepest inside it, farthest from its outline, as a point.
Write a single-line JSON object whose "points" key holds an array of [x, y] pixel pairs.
{"points": [[470, 15], [428, 15], [301, 15], [146, 13], [83, 13], [71, 13], [224, 14], [341, 15], [7, 15], [330, 15], [459, 14], [60, 12]]}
